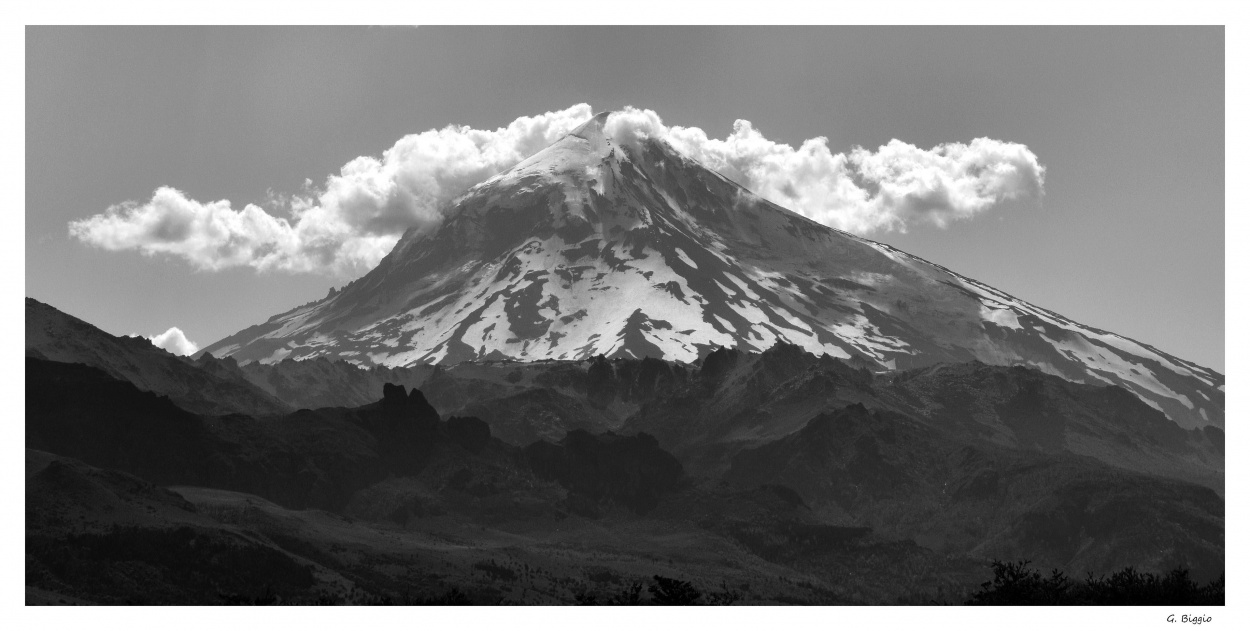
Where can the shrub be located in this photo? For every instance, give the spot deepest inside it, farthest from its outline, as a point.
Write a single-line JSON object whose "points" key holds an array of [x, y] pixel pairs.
{"points": [[670, 591], [1017, 584], [629, 596], [725, 596]]}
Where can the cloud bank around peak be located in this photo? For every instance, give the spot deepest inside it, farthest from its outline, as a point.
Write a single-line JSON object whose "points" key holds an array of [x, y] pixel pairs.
{"points": [[347, 224], [862, 191], [174, 341], [343, 227]]}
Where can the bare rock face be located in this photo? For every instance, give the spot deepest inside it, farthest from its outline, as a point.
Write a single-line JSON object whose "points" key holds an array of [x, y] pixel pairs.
{"points": [[412, 407], [394, 397]]}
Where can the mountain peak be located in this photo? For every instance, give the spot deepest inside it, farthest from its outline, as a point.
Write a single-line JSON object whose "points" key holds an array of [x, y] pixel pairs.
{"points": [[589, 248], [566, 161], [593, 126]]}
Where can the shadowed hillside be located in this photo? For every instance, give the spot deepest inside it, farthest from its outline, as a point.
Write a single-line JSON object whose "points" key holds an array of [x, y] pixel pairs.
{"points": [[813, 482]]}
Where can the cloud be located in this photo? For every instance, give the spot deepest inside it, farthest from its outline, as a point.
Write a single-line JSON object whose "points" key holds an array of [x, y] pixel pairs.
{"points": [[861, 191], [175, 342], [347, 224], [343, 227]]}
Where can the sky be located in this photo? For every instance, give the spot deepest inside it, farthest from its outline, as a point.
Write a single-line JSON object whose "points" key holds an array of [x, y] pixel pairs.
{"points": [[1126, 123]]}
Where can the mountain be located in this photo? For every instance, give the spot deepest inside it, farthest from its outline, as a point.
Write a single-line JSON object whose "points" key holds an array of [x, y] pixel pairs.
{"points": [[203, 387], [593, 247]]}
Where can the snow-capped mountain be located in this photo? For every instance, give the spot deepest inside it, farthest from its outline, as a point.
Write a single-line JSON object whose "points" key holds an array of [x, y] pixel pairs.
{"points": [[594, 247]]}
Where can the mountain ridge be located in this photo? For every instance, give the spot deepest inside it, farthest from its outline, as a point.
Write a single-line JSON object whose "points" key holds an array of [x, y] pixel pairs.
{"points": [[197, 386]]}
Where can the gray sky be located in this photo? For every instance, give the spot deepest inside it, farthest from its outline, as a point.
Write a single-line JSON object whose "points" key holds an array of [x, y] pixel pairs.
{"points": [[1129, 123]]}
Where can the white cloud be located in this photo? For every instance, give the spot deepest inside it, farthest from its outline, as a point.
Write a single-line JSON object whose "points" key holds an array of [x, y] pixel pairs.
{"points": [[863, 191], [346, 226], [175, 342], [349, 223]]}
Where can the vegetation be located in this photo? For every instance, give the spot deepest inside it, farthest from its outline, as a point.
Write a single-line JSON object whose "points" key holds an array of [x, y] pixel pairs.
{"points": [[1017, 584], [670, 591], [664, 591], [629, 596]]}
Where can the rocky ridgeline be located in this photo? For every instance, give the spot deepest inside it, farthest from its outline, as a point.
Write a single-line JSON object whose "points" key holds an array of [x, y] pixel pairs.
{"points": [[316, 458]]}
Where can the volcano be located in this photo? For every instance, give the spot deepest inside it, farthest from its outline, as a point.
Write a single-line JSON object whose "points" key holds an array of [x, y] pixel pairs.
{"points": [[626, 248]]}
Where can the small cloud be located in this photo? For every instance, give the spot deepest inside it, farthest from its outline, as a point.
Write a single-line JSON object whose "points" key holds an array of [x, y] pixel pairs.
{"points": [[175, 341]]}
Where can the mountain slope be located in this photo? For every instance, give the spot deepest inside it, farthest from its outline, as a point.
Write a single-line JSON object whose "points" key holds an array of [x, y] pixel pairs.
{"points": [[104, 536], [206, 388], [741, 400], [594, 247], [881, 470]]}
